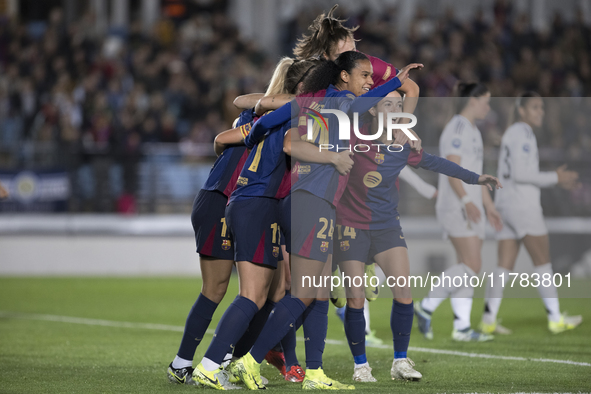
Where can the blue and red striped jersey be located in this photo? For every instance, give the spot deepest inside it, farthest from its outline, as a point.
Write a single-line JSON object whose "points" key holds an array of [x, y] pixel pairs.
{"points": [[370, 201], [265, 168], [227, 167]]}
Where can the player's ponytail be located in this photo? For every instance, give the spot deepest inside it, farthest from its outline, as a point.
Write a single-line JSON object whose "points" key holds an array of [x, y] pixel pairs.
{"points": [[466, 90], [329, 72], [276, 86], [520, 102], [325, 33]]}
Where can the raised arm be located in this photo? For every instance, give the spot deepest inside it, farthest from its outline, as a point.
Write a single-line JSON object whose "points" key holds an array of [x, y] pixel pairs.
{"points": [[411, 92], [247, 101], [268, 103], [266, 123], [375, 95]]}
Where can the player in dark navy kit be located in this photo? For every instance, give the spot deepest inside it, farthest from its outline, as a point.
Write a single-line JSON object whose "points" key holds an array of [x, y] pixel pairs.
{"points": [[215, 248], [368, 228], [214, 243], [252, 219], [315, 191]]}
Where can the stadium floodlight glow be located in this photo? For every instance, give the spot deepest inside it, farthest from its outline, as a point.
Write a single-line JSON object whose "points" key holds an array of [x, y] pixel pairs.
{"points": [[345, 125]]}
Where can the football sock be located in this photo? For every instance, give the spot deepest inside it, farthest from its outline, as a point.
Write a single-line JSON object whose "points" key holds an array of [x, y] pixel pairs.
{"points": [[439, 294], [366, 316], [288, 343], [494, 296], [355, 332], [315, 328], [197, 322], [401, 325], [230, 329], [549, 294], [179, 363], [461, 302], [254, 329], [280, 321]]}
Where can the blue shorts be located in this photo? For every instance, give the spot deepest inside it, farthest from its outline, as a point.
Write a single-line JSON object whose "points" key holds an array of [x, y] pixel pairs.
{"points": [[254, 226], [211, 232], [362, 245], [312, 226]]}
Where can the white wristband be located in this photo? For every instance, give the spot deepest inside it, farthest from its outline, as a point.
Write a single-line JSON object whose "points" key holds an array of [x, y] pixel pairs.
{"points": [[466, 199]]}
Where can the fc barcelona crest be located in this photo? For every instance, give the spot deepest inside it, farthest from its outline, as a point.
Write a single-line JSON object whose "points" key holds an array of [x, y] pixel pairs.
{"points": [[275, 251], [324, 246], [345, 245], [226, 244], [379, 159]]}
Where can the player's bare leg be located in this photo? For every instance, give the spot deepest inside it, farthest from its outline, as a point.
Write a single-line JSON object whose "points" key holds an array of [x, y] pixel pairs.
{"points": [[538, 248], [254, 281], [508, 249], [215, 275]]}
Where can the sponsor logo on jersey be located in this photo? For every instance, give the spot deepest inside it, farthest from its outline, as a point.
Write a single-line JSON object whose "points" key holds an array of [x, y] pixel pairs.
{"points": [[345, 246], [324, 246], [304, 169], [275, 251], [226, 244], [387, 73], [242, 181], [456, 142], [372, 179], [379, 159]]}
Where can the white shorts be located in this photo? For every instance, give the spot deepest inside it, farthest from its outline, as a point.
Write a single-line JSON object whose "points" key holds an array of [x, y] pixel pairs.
{"points": [[519, 221], [456, 224]]}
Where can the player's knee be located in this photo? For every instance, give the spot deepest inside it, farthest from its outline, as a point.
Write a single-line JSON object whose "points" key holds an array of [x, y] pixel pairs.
{"points": [[356, 303], [214, 292]]}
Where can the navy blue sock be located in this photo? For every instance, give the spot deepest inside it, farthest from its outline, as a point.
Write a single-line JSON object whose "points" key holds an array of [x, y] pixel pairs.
{"points": [[401, 325], [231, 328], [197, 322], [315, 327], [288, 343], [254, 329], [355, 331], [281, 320]]}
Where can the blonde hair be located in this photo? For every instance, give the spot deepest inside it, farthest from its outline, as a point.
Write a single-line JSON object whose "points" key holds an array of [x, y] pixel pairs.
{"points": [[277, 84]]}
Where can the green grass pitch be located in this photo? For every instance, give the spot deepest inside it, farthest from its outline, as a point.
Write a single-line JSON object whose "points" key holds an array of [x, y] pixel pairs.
{"points": [[41, 356]]}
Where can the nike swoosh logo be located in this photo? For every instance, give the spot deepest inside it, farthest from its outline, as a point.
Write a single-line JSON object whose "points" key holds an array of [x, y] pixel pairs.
{"points": [[401, 237], [208, 378], [354, 343], [291, 324], [327, 384], [179, 379], [198, 339], [376, 291]]}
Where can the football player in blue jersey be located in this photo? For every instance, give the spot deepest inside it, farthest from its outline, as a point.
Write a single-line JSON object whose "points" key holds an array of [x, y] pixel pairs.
{"points": [[256, 243], [214, 243], [314, 195], [368, 229]]}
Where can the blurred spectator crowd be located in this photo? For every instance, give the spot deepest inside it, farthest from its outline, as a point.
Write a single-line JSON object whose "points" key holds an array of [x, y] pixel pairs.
{"points": [[72, 98]]}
